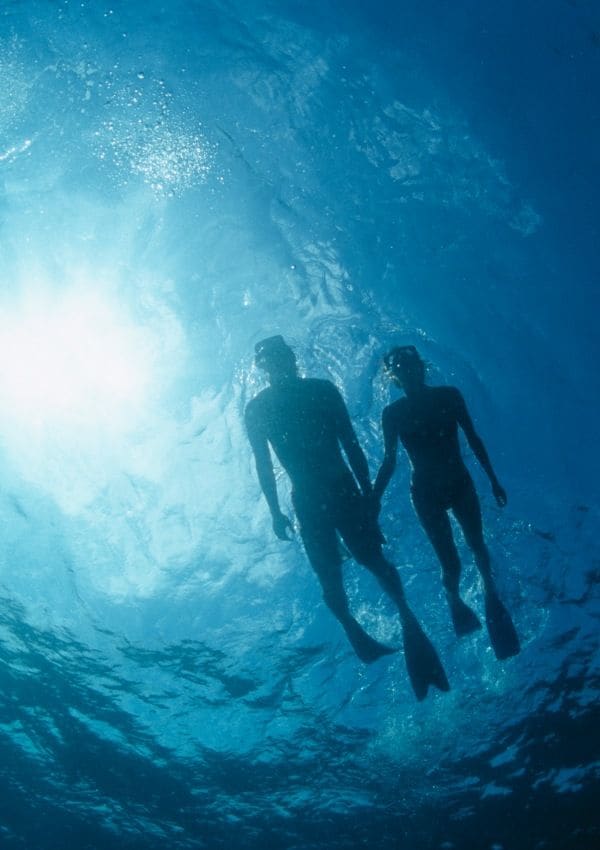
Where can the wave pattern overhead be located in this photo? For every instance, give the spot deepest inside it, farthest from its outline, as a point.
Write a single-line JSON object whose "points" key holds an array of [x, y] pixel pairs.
{"points": [[178, 181]]}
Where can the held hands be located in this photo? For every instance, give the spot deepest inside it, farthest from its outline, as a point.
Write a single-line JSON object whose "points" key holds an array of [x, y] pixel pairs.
{"points": [[373, 509], [499, 494], [281, 525]]}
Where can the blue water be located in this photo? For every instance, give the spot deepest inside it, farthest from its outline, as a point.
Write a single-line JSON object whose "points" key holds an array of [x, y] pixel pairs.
{"points": [[178, 181]]}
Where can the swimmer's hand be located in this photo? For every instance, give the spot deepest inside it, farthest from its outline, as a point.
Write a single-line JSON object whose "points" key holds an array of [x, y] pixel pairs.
{"points": [[373, 509], [499, 494], [281, 525]]}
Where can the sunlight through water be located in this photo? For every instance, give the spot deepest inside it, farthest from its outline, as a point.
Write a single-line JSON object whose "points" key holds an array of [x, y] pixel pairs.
{"points": [[178, 181], [72, 359]]}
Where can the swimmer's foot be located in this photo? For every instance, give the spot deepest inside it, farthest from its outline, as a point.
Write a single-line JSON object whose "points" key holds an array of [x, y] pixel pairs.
{"points": [[465, 620], [422, 663], [503, 636], [367, 648]]}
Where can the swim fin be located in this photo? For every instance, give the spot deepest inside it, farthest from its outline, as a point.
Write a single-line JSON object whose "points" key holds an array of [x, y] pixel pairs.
{"points": [[503, 637], [422, 662], [465, 620], [367, 648]]}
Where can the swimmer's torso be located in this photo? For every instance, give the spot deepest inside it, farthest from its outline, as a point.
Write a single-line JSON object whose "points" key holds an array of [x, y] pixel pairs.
{"points": [[427, 426], [302, 420]]}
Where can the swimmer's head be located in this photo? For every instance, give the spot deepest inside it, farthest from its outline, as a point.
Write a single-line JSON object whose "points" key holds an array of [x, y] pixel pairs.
{"points": [[405, 366], [274, 355]]}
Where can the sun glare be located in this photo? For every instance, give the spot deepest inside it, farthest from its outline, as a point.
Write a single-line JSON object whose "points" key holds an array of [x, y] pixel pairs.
{"points": [[74, 360]]}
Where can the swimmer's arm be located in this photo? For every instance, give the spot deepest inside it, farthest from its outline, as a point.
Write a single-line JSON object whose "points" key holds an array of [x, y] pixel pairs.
{"points": [[349, 442], [476, 443], [386, 470], [266, 475]]}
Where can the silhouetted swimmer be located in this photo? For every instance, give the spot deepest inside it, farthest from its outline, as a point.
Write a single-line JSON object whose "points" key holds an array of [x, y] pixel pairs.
{"points": [[306, 423], [426, 421]]}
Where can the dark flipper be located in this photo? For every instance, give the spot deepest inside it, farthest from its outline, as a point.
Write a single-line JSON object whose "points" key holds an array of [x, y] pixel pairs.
{"points": [[367, 648], [503, 637], [422, 662], [465, 620]]}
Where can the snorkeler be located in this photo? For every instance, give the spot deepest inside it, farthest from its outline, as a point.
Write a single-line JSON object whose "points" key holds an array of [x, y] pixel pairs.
{"points": [[426, 421], [305, 421]]}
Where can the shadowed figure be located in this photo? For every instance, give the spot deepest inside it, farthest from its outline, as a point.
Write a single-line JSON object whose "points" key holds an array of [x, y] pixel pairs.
{"points": [[426, 422], [306, 423]]}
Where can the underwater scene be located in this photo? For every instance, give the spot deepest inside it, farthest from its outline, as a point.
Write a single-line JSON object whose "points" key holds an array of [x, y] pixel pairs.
{"points": [[199, 201]]}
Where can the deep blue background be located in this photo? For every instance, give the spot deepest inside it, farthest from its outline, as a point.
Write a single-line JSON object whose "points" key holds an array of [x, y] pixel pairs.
{"points": [[352, 176]]}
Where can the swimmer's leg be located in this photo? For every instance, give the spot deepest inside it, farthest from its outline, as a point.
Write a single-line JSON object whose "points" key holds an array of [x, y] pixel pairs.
{"points": [[317, 528], [422, 663], [503, 636], [363, 538], [467, 510], [366, 647], [434, 520]]}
